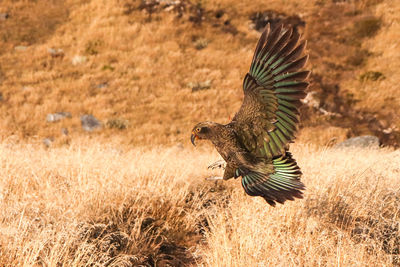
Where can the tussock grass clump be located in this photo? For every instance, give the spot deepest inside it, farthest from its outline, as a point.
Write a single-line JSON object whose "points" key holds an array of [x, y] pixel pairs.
{"points": [[372, 76], [117, 123], [98, 204]]}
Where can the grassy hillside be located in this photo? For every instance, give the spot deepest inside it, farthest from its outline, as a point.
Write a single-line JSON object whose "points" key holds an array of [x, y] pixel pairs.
{"points": [[84, 204], [142, 60], [133, 192]]}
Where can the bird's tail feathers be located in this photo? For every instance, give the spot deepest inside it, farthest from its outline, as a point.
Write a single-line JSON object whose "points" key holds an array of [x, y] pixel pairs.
{"points": [[276, 184]]}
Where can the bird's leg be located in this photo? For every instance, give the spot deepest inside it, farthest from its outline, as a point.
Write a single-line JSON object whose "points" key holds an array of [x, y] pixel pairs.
{"points": [[218, 164]]}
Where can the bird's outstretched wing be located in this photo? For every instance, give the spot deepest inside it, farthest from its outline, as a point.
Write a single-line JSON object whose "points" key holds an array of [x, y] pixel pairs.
{"points": [[282, 184], [273, 88]]}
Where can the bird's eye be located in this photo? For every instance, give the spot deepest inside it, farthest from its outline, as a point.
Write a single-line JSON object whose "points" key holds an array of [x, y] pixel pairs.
{"points": [[198, 129]]}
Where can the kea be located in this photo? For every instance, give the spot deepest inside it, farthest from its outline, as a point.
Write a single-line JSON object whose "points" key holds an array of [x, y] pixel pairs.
{"points": [[254, 145]]}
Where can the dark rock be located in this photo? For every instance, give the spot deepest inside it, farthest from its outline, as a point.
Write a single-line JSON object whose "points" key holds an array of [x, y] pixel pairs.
{"points": [[367, 26], [229, 28], [197, 14], [90, 123], [4, 16], [57, 116], [360, 141], [261, 19], [219, 13], [102, 85]]}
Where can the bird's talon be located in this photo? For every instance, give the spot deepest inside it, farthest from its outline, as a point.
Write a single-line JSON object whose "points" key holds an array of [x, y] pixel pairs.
{"points": [[217, 164]]}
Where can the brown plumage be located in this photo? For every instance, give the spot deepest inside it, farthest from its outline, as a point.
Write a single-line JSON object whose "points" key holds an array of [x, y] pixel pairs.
{"points": [[255, 143]]}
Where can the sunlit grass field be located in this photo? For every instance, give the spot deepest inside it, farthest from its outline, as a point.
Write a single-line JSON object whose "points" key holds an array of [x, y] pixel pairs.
{"points": [[133, 193], [101, 204]]}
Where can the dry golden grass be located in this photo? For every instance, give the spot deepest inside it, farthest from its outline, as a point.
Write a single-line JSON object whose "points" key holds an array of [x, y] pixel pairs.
{"points": [[102, 204], [382, 96], [89, 201], [387, 52], [148, 64]]}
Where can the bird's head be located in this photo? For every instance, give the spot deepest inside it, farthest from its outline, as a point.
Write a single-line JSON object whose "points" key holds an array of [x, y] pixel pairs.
{"points": [[201, 131]]}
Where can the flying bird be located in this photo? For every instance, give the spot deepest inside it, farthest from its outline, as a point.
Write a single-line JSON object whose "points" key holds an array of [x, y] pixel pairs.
{"points": [[255, 143]]}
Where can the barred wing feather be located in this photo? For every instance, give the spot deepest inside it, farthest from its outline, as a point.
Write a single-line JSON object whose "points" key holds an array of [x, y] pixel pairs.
{"points": [[267, 120]]}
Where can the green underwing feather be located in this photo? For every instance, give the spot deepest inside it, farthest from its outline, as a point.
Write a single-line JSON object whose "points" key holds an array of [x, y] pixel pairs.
{"points": [[273, 148], [277, 141], [273, 184], [266, 92], [286, 131], [296, 76], [287, 103], [267, 150], [283, 139], [284, 118], [273, 88], [287, 91], [291, 97], [288, 111]]}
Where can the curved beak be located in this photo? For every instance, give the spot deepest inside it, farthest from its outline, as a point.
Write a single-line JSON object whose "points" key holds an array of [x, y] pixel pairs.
{"points": [[193, 138]]}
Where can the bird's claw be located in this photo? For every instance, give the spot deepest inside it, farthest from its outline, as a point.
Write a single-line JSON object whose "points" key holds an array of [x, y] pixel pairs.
{"points": [[217, 164], [214, 178]]}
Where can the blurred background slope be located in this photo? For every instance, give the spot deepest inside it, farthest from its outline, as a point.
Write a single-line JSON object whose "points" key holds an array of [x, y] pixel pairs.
{"points": [[96, 79], [148, 70]]}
